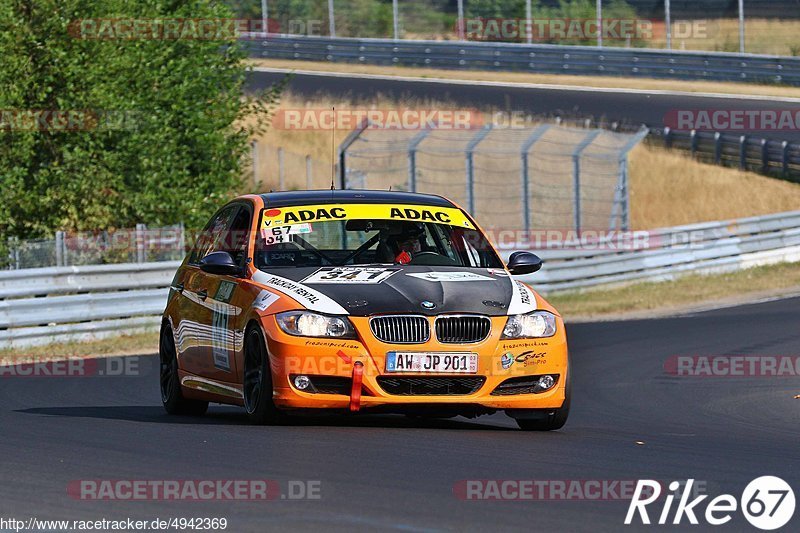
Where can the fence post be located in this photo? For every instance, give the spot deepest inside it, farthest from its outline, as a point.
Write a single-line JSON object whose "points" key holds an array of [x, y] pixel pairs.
{"points": [[254, 159], [526, 193], [331, 20], [140, 244], [412, 158], [280, 170], [693, 142], [668, 23], [622, 198], [743, 152], [470, 152], [182, 239], [60, 260], [785, 158], [576, 175], [667, 137], [717, 147], [350, 139], [764, 156], [309, 177], [16, 253]]}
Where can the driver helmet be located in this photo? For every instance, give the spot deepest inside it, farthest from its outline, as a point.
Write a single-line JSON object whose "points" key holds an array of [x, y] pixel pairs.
{"points": [[406, 241]]}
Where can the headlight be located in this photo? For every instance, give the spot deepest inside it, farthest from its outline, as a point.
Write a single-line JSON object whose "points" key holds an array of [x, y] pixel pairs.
{"points": [[536, 324], [306, 324]]}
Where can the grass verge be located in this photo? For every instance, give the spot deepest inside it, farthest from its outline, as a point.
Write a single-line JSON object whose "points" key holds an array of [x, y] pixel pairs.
{"points": [[681, 294], [134, 344]]}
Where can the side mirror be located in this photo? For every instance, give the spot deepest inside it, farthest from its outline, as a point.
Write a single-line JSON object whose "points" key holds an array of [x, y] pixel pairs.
{"points": [[524, 263], [220, 263]]}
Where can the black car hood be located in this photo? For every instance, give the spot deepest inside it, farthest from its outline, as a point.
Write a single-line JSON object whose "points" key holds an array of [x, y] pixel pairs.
{"points": [[427, 290]]}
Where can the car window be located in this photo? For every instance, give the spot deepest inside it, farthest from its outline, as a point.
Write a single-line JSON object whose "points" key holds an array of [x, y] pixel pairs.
{"points": [[239, 234], [214, 235], [364, 242]]}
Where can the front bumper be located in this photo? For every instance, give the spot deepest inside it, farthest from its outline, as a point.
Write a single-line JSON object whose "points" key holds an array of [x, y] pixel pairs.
{"points": [[291, 356]]}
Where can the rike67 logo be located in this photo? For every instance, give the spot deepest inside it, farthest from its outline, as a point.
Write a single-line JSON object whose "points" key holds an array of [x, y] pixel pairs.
{"points": [[767, 503]]}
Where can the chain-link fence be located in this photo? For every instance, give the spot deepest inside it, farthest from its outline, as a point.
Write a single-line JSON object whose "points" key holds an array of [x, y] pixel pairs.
{"points": [[136, 245], [280, 169], [753, 26], [543, 177]]}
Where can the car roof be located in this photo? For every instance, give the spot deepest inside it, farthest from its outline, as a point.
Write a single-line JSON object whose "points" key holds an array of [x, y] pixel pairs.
{"points": [[327, 196]]}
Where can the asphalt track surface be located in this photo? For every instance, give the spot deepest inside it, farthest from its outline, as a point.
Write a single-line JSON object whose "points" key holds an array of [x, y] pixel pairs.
{"points": [[626, 107], [389, 472]]}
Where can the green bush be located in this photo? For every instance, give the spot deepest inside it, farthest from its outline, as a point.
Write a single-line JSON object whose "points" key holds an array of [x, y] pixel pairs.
{"points": [[174, 157]]}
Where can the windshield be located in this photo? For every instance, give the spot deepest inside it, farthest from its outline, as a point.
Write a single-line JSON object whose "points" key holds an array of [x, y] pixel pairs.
{"points": [[340, 235]]}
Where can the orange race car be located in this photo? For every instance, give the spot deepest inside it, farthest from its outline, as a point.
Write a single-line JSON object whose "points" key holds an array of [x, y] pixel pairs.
{"points": [[359, 301]]}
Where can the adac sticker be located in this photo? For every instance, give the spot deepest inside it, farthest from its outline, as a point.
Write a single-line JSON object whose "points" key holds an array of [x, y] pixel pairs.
{"points": [[289, 216]]}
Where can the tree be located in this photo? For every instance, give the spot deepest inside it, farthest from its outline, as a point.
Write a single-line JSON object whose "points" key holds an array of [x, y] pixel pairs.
{"points": [[164, 134]]}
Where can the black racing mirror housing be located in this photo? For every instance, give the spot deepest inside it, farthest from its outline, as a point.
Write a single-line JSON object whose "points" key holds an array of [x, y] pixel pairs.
{"points": [[220, 263], [524, 263]]}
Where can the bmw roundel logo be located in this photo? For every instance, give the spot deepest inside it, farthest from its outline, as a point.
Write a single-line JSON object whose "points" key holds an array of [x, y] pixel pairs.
{"points": [[428, 305]]}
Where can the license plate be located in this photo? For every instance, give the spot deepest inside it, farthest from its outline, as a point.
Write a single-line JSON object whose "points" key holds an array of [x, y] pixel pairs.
{"points": [[434, 362]]}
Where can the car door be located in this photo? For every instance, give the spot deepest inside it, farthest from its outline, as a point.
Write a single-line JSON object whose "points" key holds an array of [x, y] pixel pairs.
{"points": [[195, 333], [226, 300]]}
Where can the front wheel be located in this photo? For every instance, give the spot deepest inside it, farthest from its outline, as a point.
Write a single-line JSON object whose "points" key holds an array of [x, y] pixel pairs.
{"points": [[171, 397], [257, 382]]}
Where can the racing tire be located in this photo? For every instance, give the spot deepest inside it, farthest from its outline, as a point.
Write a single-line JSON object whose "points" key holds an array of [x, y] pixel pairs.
{"points": [[171, 396], [552, 419], [257, 381]]}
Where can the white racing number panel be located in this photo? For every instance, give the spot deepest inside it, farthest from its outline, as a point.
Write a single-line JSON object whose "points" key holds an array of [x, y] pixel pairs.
{"points": [[369, 275], [281, 234], [433, 362]]}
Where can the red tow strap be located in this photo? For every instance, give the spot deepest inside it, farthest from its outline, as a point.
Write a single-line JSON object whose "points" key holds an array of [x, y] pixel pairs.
{"points": [[355, 390]]}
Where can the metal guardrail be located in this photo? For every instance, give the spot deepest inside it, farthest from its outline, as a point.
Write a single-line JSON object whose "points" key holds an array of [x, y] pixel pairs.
{"points": [[539, 58], [39, 306], [712, 247], [44, 305]]}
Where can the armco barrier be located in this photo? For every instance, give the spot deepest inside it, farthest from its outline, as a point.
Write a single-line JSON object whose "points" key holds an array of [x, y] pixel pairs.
{"points": [[541, 58], [701, 248], [43, 305], [54, 304]]}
